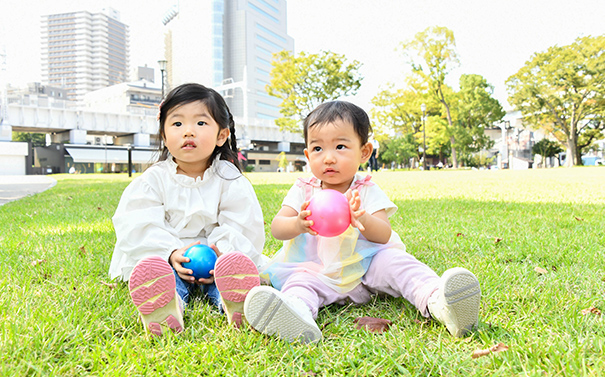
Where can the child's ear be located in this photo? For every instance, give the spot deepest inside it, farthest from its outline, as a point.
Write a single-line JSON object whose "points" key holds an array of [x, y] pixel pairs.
{"points": [[223, 135], [306, 153], [366, 152]]}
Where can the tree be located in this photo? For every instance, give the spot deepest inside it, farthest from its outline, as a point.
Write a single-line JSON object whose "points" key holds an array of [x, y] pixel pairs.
{"points": [[399, 149], [432, 54], [475, 110], [37, 139], [305, 81], [561, 90], [546, 148]]}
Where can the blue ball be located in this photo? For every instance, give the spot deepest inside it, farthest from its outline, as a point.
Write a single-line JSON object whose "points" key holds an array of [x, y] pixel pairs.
{"points": [[202, 259]]}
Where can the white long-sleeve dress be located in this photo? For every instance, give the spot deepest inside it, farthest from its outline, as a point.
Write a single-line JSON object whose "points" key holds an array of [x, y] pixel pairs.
{"points": [[161, 211]]}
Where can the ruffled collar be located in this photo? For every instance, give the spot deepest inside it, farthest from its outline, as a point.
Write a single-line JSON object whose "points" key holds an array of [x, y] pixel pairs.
{"points": [[218, 167], [358, 181]]}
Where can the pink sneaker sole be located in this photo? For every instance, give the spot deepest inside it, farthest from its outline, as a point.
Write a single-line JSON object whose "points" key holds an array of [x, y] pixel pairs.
{"points": [[153, 291], [235, 275]]}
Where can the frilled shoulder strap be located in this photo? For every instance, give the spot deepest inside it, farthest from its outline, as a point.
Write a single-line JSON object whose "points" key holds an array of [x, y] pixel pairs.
{"points": [[362, 182], [308, 184]]}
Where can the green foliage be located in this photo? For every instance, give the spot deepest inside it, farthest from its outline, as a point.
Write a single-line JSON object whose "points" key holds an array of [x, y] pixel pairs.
{"points": [[432, 55], [398, 149], [561, 90], [37, 139], [475, 110], [305, 81], [546, 148]]}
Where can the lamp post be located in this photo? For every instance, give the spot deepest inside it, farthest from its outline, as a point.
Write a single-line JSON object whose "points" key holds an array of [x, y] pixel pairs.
{"points": [[162, 64], [423, 108]]}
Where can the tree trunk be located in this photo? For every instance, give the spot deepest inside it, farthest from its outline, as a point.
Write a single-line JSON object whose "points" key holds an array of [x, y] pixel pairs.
{"points": [[571, 158], [449, 123]]}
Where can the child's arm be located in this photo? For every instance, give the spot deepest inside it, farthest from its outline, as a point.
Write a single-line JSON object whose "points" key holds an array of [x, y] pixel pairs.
{"points": [[288, 223], [375, 227]]}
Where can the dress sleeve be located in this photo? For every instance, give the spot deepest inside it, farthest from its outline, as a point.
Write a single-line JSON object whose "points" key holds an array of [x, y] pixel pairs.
{"points": [[374, 199], [240, 221], [295, 197], [141, 228]]}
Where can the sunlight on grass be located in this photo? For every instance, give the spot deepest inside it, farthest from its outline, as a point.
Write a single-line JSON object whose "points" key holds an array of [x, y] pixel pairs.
{"points": [[535, 239]]}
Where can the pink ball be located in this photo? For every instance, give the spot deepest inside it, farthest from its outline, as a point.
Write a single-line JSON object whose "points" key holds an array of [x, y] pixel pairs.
{"points": [[330, 213]]}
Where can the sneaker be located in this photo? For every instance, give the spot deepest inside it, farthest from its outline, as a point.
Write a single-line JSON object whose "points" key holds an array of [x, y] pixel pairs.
{"points": [[274, 313], [456, 302], [234, 275], [153, 291]]}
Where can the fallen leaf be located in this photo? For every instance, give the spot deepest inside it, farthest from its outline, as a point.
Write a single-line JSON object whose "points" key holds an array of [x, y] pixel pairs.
{"points": [[554, 268], [109, 285], [497, 240], [459, 235], [497, 348], [578, 218], [591, 310], [82, 250], [37, 262], [99, 208], [69, 198], [540, 270], [375, 325]]}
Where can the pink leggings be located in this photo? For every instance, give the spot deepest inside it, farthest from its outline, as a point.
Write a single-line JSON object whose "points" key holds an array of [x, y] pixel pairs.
{"points": [[392, 271]]}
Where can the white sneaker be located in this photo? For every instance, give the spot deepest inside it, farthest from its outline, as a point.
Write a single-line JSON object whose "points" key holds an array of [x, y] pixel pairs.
{"points": [[456, 302], [274, 313]]}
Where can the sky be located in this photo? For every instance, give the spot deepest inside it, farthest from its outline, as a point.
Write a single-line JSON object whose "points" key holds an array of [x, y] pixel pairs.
{"points": [[493, 38]]}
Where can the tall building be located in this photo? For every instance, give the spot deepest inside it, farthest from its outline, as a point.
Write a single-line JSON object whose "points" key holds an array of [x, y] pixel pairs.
{"points": [[228, 43], [83, 51]]}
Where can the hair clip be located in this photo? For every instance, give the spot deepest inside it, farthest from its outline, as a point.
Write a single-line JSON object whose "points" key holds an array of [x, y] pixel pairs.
{"points": [[159, 110]]}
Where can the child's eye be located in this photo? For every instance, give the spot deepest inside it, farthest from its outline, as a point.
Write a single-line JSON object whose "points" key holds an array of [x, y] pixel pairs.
{"points": [[316, 149], [201, 123], [340, 146], [177, 124]]}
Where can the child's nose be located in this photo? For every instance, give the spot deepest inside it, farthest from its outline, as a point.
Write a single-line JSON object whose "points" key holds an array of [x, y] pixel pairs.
{"points": [[189, 130], [329, 157]]}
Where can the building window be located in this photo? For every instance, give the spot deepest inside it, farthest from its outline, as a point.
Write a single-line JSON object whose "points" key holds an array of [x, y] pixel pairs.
{"points": [[264, 162], [262, 12]]}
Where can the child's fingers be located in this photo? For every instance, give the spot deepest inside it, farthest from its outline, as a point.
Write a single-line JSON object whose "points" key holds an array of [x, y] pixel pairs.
{"points": [[216, 251]]}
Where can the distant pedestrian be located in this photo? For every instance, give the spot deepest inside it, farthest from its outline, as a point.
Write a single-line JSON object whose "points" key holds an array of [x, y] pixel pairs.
{"points": [[374, 156], [195, 194]]}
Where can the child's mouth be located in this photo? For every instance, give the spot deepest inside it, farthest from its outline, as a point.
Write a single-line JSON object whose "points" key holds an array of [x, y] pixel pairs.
{"points": [[188, 145]]}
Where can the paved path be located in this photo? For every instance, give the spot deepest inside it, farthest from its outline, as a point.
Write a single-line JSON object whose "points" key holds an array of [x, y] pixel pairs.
{"points": [[13, 187]]}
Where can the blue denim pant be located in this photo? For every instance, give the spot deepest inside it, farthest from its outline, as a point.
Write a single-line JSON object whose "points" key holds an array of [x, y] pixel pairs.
{"points": [[186, 290]]}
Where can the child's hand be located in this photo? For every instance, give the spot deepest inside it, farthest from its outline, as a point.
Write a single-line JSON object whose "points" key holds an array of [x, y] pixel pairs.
{"points": [[210, 280], [356, 213], [177, 259], [304, 225]]}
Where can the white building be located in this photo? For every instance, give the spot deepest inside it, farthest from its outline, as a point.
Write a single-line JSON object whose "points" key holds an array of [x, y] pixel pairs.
{"points": [[83, 51]]}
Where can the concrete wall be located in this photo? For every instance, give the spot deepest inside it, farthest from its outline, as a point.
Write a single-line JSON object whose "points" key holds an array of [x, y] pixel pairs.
{"points": [[13, 157]]}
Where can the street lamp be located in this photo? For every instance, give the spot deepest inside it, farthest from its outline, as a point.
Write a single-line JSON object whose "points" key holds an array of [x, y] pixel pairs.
{"points": [[423, 108], [162, 64]]}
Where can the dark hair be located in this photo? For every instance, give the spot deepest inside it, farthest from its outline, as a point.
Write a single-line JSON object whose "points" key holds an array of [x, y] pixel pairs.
{"points": [[187, 93], [329, 112]]}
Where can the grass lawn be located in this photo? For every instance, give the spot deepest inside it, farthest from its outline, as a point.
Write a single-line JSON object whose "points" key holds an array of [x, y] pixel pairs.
{"points": [[535, 239]]}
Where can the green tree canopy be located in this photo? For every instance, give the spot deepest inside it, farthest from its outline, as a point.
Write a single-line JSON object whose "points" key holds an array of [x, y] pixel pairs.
{"points": [[546, 148], [305, 81], [37, 139], [561, 90], [475, 110], [432, 55]]}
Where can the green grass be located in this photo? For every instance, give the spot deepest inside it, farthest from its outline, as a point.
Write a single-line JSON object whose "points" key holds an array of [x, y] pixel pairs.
{"points": [[59, 318]]}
